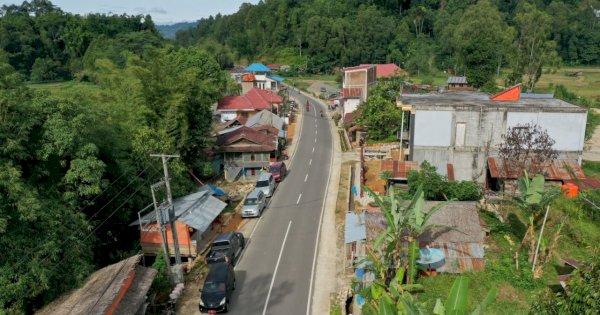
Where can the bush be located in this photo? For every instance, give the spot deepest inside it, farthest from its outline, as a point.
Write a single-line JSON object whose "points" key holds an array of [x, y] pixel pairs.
{"points": [[437, 187]]}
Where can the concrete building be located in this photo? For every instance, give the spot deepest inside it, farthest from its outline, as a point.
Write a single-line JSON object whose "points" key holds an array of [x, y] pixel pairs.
{"points": [[358, 80], [457, 132]]}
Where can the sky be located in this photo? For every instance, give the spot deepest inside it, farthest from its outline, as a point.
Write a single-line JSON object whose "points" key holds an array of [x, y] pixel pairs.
{"points": [[162, 12]]}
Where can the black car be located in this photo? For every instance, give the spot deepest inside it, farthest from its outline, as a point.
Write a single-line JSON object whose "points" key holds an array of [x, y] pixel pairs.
{"points": [[217, 289], [226, 247]]}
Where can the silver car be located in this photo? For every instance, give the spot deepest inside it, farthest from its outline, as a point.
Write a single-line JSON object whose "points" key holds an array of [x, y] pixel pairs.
{"points": [[254, 204]]}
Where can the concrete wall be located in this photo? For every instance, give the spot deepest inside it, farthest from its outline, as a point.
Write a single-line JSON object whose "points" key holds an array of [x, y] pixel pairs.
{"points": [[435, 136], [350, 105]]}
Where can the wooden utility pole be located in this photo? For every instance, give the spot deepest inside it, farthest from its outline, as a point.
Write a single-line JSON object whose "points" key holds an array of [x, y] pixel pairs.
{"points": [[161, 229], [177, 269]]}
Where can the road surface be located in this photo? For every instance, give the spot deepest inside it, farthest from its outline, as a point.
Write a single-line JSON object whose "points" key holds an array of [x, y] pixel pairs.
{"points": [[275, 274]]}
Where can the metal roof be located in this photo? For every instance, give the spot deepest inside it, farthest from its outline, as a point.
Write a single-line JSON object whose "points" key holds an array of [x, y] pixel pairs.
{"points": [[265, 117], [355, 229], [558, 170], [197, 210], [275, 77], [457, 80], [257, 67]]}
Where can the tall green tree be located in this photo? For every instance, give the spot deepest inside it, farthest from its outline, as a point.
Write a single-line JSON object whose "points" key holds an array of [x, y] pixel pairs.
{"points": [[480, 40]]}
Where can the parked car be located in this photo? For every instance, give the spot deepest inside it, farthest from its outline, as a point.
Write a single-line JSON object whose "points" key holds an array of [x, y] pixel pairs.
{"points": [[226, 247], [279, 171], [254, 204], [216, 291], [266, 183]]}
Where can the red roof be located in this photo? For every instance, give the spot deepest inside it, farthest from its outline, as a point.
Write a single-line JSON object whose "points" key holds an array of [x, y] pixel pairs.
{"points": [[386, 69], [558, 170], [273, 66], [399, 169], [255, 141], [254, 100]]}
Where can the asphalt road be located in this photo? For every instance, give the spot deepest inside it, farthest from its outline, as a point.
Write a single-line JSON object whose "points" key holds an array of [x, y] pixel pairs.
{"points": [[275, 273]]}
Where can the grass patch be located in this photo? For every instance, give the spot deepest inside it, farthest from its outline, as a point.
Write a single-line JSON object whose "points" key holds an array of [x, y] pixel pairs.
{"points": [[302, 85], [68, 89], [437, 79], [591, 168], [587, 85], [345, 146], [593, 120]]}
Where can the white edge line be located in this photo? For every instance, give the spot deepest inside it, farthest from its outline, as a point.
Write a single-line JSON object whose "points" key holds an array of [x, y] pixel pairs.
{"points": [[276, 267], [299, 196], [312, 272]]}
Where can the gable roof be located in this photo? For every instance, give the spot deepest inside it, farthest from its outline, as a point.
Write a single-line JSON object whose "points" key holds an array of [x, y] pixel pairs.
{"points": [[359, 67], [265, 118], [386, 69], [254, 100], [260, 141], [257, 67], [273, 66]]}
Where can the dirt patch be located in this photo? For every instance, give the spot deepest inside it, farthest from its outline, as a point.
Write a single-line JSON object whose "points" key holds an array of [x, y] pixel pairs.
{"points": [[373, 176], [507, 292]]}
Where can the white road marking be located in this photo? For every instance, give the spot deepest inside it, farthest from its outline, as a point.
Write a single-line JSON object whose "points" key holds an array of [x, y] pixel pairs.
{"points": [[305, 178], [299, 196], [316, 131], [276, 267], [314, 263], [313, 149], [310, 162], [315, 139]]}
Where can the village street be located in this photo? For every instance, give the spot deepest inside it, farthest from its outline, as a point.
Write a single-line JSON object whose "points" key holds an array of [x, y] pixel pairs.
{"points": [[276, 272]]}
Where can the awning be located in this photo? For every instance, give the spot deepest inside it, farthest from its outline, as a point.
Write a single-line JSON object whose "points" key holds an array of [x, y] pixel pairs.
{"points": [[197, 210], [275, 77], [355, 227]]}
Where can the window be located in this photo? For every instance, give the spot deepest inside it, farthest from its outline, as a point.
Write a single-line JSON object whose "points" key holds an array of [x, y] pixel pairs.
{"points": [[461, 128], [253, 172], [252, 157]]}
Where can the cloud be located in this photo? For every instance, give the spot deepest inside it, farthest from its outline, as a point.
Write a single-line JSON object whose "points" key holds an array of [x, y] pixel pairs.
{"points": [[151, 11]]}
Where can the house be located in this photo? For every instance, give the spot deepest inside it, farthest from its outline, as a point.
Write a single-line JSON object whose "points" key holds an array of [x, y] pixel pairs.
{"points": [[237, 73], [357, 81], [248, 104], [246, 152], [193, 216], [259, 76], [387, 70], [460, 234], [274, 67], [120, 288], [458, 84], [465, 128]]}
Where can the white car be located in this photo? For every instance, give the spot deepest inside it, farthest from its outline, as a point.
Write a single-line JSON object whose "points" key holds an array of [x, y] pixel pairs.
{"points": [[254, 204]]}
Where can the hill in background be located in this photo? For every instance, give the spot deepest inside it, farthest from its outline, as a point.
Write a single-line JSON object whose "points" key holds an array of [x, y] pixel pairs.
{"points": [[169, 31]]}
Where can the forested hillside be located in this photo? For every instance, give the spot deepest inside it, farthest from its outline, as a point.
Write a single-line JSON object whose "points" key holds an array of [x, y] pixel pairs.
{"points": [[476, 37], [169, 31], [75, 167]]}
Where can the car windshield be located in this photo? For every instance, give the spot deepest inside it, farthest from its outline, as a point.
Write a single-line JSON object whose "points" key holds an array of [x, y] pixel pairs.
{"points": [[262, 183], [220, 246], [274, 169], [213, 287], [251, 201]]}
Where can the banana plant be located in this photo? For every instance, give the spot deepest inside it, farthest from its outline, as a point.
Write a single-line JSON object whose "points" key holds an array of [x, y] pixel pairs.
{"points": [[456, 303]]}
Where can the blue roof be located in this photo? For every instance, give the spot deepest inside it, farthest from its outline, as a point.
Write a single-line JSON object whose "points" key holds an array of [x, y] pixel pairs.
{"points": [[355, 229], [275, 77], [257, 67]]}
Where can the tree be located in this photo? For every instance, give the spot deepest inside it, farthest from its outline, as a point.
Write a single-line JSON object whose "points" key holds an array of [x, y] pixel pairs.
{"points": [[527, 147], [480, 41], [580, 298], [533, 47], [379, 113]]}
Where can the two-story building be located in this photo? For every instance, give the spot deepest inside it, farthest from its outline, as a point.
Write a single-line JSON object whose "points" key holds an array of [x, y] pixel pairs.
{"points": [[248, 104], [259, 76], [247, 152], [457, 132]]}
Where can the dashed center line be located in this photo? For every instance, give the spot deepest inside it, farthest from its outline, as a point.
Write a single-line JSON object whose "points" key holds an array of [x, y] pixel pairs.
{"points": [[305, 178], [313, 149], [310, 162], [300, 196], [315, 140]]}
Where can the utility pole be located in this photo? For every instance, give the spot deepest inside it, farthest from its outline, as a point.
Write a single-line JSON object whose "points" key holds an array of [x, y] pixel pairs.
{"points": [[177, 268], [161, 229]]}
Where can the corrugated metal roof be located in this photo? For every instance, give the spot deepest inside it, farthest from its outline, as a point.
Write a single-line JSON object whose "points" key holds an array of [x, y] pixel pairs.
{"points": [[457, 80], [354, 229], [197, 210], [461, 257], [265, 117], [275, 77], [257, 67], [558, 170]]}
